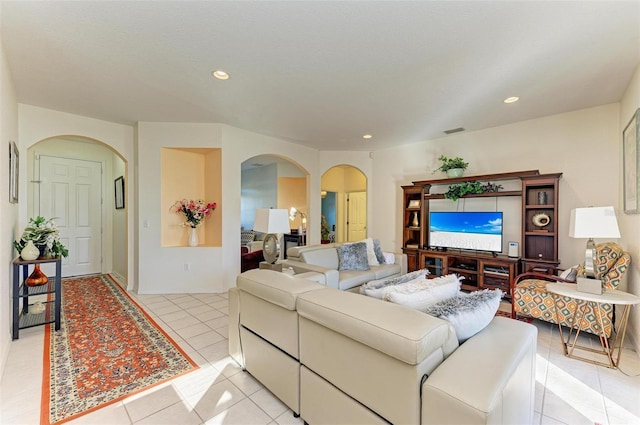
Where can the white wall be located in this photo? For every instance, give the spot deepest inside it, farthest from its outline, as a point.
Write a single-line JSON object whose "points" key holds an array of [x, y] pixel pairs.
{"points": [[8, 212], [119, 227], [238, 146], [37, 124], [630, 223], [584, 145], [211, 269], [64, 148]]}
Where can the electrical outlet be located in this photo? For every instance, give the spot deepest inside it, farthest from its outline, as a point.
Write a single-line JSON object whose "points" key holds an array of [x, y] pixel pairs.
{"points": [[187, 267]]}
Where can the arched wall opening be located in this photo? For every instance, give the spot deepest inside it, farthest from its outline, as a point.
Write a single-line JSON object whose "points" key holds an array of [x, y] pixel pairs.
{"points": [[72, 178], [272, 181], [344, 203]]}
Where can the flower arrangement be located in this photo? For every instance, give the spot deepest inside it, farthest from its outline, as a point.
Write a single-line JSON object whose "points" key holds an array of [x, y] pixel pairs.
{"points": [[45, 235], [195, 211]]}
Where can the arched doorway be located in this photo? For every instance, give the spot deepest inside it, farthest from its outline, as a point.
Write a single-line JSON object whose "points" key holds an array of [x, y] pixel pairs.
{"points": [[72, 179], [344, 203], [272, 181]]}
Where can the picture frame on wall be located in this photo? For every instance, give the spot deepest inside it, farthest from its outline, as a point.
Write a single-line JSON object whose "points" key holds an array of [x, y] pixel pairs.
{"points": [[630, 149], [14, 162], [119, 192]]}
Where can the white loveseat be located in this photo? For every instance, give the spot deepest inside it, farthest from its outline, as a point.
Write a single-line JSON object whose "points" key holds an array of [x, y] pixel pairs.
{"points": [[342, 358], [324, 259]]}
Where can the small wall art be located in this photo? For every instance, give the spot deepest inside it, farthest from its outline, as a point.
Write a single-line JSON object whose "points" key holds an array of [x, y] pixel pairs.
{"points": [[14, 162], [119, 192], [630, 136]]}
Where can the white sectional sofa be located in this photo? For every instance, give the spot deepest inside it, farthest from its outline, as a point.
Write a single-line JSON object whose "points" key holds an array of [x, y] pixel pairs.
{"points": [[324, 259], [336, 357]]}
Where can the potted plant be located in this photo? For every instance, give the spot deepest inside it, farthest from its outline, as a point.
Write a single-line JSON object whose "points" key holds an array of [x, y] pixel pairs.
{"points": [[44, 234], [452, 166], [325, 230]]}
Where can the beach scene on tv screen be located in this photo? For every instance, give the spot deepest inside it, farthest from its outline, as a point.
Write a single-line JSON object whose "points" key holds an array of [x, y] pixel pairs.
{"points": [[476, 231]]}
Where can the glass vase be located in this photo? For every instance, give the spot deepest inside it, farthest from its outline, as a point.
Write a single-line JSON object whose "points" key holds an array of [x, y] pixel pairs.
{"points": [[193, 237], [37, 277]]}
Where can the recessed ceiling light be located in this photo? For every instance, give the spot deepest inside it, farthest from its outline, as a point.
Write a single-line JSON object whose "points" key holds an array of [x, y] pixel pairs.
{"points": [[511, 99], [220, 75], [367, 136]]}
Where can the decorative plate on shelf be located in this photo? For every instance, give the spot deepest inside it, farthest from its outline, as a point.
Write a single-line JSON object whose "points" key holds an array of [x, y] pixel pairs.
{"points": [[541, 219]]}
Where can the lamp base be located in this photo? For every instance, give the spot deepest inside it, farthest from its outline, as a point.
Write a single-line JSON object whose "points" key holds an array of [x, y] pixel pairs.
{"points": [[591, 286], [590, 259], [269, 266]]}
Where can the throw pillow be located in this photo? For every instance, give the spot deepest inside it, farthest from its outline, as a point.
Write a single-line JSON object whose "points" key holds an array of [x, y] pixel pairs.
{"points": [[420, 295], [570, 274], [389, 258], [353, 256], [468, 313], [247, 236], [378, 251], [371, 255], [382, 291], [374, 284]]}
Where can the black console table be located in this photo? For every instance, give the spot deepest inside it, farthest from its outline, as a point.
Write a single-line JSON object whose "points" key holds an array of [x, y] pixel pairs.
{"points": [[293, 239], [53, 290]]}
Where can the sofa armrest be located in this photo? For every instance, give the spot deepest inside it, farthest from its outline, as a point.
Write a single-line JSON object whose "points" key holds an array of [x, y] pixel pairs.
{"points": [[331, 276], [500, 388]]}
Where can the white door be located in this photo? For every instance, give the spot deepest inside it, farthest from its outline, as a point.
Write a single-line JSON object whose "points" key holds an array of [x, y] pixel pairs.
{"points": [[356, 216], [71, 192]]}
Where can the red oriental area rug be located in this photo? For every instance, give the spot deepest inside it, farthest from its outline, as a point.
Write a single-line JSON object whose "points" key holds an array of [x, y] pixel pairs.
{"points": [[106, 349]]}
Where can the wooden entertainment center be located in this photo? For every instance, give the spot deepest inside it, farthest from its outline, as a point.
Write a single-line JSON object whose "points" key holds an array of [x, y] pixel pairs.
{"points": [[539, 231]]}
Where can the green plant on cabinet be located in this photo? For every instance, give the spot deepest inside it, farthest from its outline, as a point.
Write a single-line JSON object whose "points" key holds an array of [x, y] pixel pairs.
{"points": [[458, 190]]}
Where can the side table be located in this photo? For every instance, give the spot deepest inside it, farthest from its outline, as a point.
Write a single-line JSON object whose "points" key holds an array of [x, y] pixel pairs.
{"points": [[53, 287], [614, 297]]}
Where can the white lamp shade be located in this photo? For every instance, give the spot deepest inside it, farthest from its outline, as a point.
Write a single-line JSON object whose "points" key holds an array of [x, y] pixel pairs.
{"points": [[593, 222], [271, 221]]}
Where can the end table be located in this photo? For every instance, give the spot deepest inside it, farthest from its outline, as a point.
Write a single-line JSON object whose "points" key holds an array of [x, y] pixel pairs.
{"points": [[21, 291], [608, 296]]}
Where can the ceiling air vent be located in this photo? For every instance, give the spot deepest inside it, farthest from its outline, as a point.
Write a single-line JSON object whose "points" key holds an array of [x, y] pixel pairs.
{"points": [[454, 130]]}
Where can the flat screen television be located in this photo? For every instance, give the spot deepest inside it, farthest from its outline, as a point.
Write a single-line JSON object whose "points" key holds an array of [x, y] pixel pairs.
{"points": [[481, 231]]}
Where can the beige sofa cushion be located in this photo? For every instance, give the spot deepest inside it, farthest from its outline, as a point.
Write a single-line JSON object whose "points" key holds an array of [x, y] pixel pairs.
{"points": [[277, 288], [407, 335]]}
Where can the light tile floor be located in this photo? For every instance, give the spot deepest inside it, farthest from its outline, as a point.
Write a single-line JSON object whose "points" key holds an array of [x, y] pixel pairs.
{"points": [[568, 391]]}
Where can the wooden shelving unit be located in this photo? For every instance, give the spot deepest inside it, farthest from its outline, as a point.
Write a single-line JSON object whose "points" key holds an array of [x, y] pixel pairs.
{"points": [[539, 244]]}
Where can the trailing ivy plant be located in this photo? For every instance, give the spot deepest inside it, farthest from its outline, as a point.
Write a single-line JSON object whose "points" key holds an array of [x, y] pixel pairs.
{"points": [[458, 190]]}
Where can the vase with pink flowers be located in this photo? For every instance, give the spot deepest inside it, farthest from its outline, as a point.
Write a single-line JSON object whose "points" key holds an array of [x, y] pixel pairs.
{"points": [[195, 211]]}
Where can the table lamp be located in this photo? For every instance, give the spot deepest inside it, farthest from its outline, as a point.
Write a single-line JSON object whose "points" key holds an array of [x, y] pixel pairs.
{"points": [[590, 223], [273, 222], [293, 212]]}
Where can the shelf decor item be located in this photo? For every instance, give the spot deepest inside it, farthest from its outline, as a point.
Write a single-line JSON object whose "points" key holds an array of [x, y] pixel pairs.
{"points": [[542, 198], [193, 237], [415, 222], [29, 252], [454, 167], [541, 219], [195, 211], [37, 277], [44, 234]]}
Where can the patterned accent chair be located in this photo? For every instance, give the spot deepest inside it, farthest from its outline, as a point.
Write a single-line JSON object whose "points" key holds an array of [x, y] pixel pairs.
{"points": [[531, 299]]}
